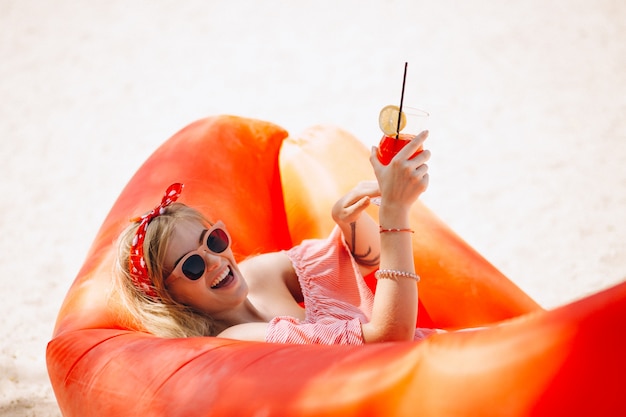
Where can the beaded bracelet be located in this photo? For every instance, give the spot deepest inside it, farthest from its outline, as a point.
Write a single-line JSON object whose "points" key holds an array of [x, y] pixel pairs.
{"points": [[393, 274], [382, 230]]}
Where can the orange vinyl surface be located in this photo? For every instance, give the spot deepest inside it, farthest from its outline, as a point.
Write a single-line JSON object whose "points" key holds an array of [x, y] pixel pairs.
{"points": [[272, 191]]}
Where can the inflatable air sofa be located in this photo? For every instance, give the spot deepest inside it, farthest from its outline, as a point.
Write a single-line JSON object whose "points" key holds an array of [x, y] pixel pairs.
{"points": [[273, 191]]}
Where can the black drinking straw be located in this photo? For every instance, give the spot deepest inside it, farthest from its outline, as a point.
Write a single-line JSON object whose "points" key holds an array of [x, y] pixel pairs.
{"points": [[401, 101]]}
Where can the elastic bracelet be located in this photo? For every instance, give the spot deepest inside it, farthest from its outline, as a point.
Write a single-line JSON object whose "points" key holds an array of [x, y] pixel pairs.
{"points": [[393, 274], [382, 230]]}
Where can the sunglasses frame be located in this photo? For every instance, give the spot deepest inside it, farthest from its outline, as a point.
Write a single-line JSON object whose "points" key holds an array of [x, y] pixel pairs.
{"points": [[219, 225]]}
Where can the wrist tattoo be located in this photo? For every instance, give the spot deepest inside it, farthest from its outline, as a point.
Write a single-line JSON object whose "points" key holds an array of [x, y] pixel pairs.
{"points": [[362, 259]]}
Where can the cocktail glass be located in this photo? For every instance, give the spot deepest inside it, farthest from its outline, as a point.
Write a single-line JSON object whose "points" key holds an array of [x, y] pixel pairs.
{"points": [[390, 145]]}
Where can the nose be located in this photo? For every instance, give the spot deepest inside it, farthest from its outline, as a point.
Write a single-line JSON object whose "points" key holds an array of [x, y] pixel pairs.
{"points": [[212, 260]]}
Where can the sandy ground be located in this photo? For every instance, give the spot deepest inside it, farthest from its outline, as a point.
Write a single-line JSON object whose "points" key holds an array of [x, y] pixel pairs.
{"points": [[528, 126]]}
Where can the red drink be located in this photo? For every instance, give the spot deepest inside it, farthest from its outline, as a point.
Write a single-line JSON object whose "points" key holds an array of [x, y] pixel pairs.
{"points": [[389, 146]]}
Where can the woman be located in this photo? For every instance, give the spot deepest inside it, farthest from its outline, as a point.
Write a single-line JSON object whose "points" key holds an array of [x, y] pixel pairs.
{"points": [[178, 276]]}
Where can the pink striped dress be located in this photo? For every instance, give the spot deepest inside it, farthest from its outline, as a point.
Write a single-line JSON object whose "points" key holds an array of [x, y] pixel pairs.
{"points": [[337, 300]]}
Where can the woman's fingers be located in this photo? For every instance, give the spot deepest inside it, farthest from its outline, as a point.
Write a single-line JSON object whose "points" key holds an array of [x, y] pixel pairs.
{"points": [[413, 146], [421, 158], [347, 213], [406, 177], [361, 190], [350, 206]]}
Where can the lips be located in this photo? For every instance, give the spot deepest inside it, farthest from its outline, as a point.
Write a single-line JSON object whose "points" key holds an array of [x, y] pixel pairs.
{"points": [[223, 279]]}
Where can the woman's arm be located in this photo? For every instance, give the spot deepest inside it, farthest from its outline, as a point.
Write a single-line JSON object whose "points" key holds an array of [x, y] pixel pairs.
{"points": [[395, 303], [359, 230]]}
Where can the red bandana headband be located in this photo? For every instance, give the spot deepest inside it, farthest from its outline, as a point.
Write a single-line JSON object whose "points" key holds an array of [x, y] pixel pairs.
{"points": [[137, 263]]}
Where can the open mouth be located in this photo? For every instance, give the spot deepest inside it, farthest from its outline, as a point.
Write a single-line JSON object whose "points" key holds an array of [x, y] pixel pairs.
{"points": [[223, 279]]}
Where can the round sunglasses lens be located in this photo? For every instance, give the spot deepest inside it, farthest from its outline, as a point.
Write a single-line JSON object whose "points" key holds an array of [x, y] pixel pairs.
{"points": [[193, 267], [217, 241]]}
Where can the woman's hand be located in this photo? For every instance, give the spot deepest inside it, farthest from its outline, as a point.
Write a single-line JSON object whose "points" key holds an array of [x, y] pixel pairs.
{"points": [[403, 180], [348, 208]]}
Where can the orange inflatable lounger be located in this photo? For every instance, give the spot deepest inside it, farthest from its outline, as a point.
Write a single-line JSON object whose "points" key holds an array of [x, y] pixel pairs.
{"points": [[272, 191]]}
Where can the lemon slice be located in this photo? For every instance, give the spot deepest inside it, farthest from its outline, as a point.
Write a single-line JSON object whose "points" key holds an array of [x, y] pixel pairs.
{"points": [[388, 120]]}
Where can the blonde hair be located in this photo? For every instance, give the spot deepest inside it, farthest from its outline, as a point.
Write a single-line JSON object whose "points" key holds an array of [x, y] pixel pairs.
{"points": [[162, 316]]}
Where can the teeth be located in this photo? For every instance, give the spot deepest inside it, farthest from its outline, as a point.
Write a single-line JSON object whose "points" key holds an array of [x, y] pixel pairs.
{"points": [[220, 278]]}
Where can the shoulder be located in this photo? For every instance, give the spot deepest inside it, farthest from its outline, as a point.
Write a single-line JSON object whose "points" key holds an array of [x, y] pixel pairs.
{"points": [[267, 267], [253, 332], [271, 272], [272, 260]]}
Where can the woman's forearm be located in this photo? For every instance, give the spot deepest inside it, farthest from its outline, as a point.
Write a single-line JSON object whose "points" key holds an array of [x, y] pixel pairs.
{"points": [[359, 230], [361, 236], [395, 303]]}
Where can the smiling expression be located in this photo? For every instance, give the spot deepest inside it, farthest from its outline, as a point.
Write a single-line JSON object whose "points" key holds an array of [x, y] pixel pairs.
{"points": [[215, 290]]}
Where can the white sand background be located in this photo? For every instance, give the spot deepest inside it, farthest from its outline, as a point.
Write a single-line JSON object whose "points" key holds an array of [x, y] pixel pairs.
{"points": [[528, 126]]}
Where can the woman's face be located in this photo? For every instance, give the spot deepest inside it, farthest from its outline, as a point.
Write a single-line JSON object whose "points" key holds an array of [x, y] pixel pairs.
{"points": [[219, 289]]}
